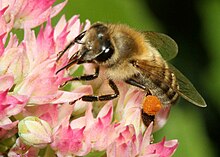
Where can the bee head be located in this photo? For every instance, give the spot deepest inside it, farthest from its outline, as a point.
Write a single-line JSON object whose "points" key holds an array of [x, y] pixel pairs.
{"points": [[97, 44]]}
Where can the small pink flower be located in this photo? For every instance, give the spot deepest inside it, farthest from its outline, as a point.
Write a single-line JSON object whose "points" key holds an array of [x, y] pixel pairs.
{"points": [[4, 27], [129, 106], [1, 44], [69, 141], [47, 112], [125, 143], [129, 109], [163, 148], [29, 13], [128, 143], [7, 128], [98, 130], [20, 149], [10, 104]]}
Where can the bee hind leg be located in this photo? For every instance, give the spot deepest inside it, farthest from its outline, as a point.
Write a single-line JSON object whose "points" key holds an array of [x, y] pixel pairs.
{"points": [[135, 83]]}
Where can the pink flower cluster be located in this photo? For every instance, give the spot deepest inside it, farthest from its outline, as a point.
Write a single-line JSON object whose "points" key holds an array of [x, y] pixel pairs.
{"points": [[35, 113]]}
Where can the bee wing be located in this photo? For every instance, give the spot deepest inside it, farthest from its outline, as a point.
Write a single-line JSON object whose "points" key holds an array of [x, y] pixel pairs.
{"points": [[187, 90], [166, 46]]}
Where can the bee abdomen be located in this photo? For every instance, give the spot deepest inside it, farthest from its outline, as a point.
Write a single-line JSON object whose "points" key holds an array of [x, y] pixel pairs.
{"points": [[165, 90], [168, 94], [158, 79]]}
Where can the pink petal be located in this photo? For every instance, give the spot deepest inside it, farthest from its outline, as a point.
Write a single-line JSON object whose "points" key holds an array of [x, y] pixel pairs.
{"points": [[144, 143], [123, 150], [7, 128], [90, 120], [60, 27], [35, 13], [7, 82], [4, 27], [78, 123], [11, 105], [1, 42], [163, 148], [106, 113], [14, 62], [34, 7], [161, 118], [42, 14], [13, 42], [97, 131], [47, 112], [45, 40], [20, 149], [130, 110], [64, 113], [72, 96], [68, 140], [125, 144], [56, 9]]}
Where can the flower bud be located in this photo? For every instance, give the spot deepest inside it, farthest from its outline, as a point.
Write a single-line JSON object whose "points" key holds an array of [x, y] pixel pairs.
{"points": [[35, 131]]}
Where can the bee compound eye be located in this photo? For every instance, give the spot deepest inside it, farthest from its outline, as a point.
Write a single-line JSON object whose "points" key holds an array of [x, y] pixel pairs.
{"points": [[100, 36], [105, 55]]}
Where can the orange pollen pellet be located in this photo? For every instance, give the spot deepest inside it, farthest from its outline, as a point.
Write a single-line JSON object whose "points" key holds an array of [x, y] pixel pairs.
{"points": [[151, 105]]}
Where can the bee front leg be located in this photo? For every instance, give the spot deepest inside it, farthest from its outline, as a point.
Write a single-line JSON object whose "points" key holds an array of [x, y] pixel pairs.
{"points": [[84, 77], [91, 98]]}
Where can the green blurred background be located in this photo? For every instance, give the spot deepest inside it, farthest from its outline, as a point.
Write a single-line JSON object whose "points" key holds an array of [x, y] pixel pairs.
{"points": [[195, 26]]}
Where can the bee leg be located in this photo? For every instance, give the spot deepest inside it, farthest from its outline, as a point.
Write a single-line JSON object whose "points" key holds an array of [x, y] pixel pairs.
{"points": [[135, 83], [147, 119], [84, 77], [91, 98]]}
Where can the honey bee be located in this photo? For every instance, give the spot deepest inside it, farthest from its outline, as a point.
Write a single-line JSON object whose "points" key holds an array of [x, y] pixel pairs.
{"points": [[137, 58]]}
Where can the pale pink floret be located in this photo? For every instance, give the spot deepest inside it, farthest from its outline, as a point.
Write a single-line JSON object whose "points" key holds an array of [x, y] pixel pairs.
{"points": [[29, 13], [161, 149], [20, 149], [7, 128], [129, 106], [100, 130], [130, 144], [1, 44], [66, 139], [3, 24], [10, 104], [125, 143]]}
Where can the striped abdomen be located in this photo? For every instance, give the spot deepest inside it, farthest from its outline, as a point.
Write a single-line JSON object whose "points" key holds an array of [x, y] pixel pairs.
{"points": [[158, 79], [163, 84]]}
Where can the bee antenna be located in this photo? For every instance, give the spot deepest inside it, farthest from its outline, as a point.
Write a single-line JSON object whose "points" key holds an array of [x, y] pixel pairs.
{"points": [[76, 40], [60, 54], [79, 38]]}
